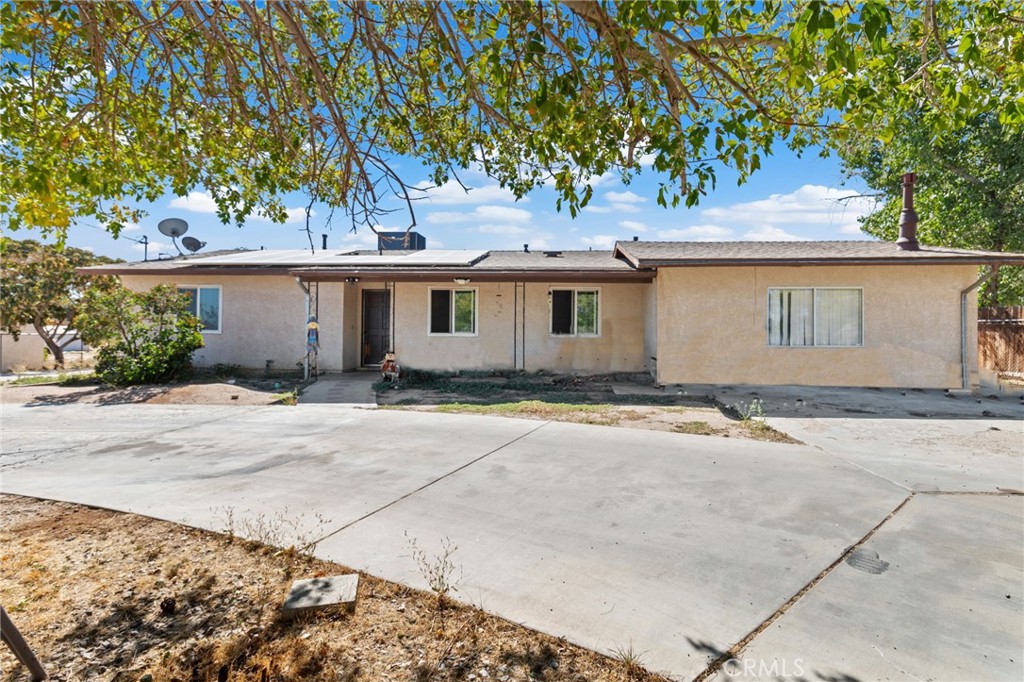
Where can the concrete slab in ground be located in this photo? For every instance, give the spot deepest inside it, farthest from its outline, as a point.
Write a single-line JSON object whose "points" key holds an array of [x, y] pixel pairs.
{"points": [[675, 545], [924, 440], [350, 388], [268, 462], [316, 594], [954, 455], [950, 605]]}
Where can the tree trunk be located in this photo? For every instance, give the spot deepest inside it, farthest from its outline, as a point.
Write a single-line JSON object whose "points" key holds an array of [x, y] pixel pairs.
{"points": [[55, 348]]}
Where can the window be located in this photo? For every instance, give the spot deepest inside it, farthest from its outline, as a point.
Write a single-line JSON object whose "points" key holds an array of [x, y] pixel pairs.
{"points": [[204, 303], [453, 311], [816, 317], [575, 312]]}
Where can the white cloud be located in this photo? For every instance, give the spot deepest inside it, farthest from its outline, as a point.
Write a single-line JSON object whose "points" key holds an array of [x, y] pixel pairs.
{"points": [[633, 225], [516, 215], [697, 233], [619, 202], [600, 241], [602, 179], [131, 227], [294, 216], [452, 193], [493, 228], [363, 239], [490, 214], [202, 202], [626, 197], [624, 208], [771, 234], [809, 205], [196, 202]]}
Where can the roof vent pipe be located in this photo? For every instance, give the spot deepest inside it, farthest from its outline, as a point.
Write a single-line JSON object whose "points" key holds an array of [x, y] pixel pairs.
{"points": [[325, 241], [908, 217], [526, 248], [635, 238]]}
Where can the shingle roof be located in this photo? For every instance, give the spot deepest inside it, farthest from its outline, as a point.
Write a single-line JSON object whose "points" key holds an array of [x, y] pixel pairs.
{"points": [[654, 254]]}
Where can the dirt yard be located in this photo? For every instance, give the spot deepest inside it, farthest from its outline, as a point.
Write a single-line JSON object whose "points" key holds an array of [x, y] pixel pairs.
{"points": [[583, 401], [603, 400], [107, 596], [191, 393], [698, 421]]}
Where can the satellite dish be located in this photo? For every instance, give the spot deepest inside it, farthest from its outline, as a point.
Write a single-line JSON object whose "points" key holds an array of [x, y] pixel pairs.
{"points": [[172, 227], [192, 244]]}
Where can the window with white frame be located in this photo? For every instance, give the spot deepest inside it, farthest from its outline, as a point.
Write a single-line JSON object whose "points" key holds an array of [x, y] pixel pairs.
{"points": [[575, 312], [816, 317], [453, 311], [204, 303]]}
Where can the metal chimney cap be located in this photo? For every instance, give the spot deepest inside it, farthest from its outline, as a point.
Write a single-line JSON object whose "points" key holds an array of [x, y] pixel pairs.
{"points": [[908, 216]]}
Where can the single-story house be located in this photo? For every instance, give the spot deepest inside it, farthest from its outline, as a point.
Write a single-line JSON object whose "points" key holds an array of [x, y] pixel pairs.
{"points": [[853, 313]]}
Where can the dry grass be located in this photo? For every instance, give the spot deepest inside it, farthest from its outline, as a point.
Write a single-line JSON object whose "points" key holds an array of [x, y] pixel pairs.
{"points": [[108, 596], [692, 420]]}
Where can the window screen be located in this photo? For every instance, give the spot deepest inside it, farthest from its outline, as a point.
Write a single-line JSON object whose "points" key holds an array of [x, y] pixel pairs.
{"points": [[586, 312]]}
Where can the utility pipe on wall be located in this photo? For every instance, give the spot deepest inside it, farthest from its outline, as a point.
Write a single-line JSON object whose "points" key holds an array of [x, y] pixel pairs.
{"points": [[964, 369], [305, 321]]}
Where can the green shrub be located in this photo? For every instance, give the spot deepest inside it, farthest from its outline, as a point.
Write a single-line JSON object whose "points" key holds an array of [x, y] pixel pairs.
{"points": [[145, 338]]}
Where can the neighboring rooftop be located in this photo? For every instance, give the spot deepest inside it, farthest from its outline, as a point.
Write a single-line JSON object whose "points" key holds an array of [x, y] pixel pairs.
{"points": [[655, 254]]}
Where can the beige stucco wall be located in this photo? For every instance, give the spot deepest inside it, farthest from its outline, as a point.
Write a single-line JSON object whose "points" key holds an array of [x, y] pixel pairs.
{"points": [[618, 348], [650, 315], [350, 327], [262, 318], [712, 327]]}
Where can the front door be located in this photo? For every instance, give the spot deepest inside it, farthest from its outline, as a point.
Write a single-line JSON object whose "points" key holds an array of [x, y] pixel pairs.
{"points": [[376, 325]]}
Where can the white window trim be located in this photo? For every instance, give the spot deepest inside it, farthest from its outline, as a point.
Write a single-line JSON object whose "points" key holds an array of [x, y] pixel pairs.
{"points": [[220, 306], [814, 299], [451, 311], [574, 334]]}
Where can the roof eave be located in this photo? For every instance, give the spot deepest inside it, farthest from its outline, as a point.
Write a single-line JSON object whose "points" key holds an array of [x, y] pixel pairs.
{"points": [[797, 262], [471, 274]]}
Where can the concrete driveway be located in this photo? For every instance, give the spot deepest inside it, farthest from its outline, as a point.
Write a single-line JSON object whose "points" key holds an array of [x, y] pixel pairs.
{"points": [[679, 547]]}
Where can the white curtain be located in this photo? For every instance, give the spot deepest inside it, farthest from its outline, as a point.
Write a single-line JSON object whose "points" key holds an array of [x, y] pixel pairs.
{"points": [[791, 317], [838, 317]]}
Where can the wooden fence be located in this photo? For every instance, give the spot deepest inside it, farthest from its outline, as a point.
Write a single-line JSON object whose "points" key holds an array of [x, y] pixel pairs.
{"points": [[1001, 339]]}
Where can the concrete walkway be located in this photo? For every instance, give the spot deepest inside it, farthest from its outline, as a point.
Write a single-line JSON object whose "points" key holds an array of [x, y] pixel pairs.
{"points": [[351, 388], [680, 547]]}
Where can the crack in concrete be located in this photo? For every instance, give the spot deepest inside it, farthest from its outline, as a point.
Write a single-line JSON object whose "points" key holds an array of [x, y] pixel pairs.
{"points": [[736, 648], [395, 501]]}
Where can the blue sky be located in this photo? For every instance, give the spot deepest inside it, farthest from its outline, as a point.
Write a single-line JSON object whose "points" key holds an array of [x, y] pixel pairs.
{"points": [[789, 198]]}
